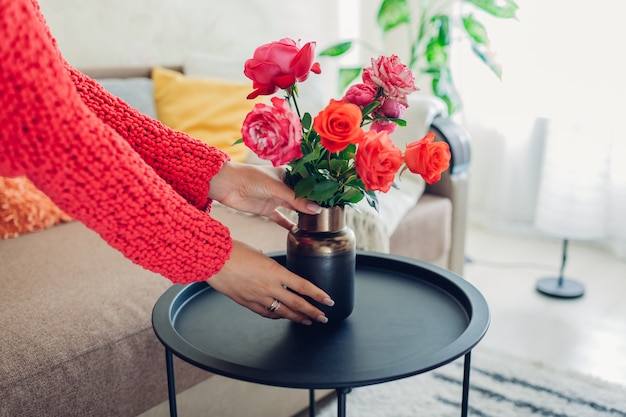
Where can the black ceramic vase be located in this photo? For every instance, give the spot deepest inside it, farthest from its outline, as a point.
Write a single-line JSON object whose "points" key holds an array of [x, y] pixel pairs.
{"points": [[322, 250]]}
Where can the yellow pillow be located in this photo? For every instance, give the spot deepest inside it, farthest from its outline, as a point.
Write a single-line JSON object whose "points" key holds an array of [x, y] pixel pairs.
{"points": [[206, 109]]}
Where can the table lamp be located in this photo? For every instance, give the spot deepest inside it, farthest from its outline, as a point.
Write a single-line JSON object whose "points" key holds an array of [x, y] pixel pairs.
{"points": [[572, 199]]}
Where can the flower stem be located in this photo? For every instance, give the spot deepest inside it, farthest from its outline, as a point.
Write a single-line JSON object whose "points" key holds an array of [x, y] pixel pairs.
{"points": [[292, 94]]}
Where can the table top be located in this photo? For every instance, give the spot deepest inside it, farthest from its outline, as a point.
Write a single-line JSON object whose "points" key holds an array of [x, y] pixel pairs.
{"points": [[409, 317]]}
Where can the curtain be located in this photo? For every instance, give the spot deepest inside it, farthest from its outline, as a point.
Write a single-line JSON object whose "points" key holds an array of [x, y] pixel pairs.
{"points": [[563, 65]]}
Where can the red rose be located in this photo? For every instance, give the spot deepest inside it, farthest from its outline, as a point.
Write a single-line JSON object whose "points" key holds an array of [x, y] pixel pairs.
{"points": [[377, 161], [338, 125], [273, 132], [279, 65], [428, 158]]}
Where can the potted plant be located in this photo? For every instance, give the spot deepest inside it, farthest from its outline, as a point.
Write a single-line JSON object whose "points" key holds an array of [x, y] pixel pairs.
{"points": [[431, 34]]}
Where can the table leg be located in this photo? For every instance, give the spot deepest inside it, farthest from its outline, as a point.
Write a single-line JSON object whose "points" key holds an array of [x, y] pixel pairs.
{"points": [[171, 387], [341, 401], [311, 403], [466, 383]]}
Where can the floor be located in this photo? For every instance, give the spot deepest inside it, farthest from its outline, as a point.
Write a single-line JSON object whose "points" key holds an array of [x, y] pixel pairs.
{"points": [[586, 334]]}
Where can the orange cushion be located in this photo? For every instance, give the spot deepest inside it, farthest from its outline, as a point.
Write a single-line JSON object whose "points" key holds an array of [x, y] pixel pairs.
{"points": [[23, 208]]}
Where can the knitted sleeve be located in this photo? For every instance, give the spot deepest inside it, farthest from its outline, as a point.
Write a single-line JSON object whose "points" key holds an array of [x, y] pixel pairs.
{"points": [[183, 162], [48, 133]]}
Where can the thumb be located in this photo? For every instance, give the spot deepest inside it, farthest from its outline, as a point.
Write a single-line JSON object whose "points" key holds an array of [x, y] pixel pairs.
{"points": [[305, 206], [302, 205]]}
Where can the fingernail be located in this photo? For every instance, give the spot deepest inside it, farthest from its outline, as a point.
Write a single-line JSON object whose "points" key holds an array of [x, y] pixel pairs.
{"points": [[307, 322], [329, 302], [314, 208], [322, 319]]}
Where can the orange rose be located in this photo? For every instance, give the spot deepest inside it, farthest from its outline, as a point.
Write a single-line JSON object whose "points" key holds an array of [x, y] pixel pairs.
{"points": [[377, 161], [339, 125], [428, 158]]}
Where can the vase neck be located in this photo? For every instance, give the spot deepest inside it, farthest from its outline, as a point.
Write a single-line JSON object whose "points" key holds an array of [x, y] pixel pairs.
{"points": [[330, 219]]}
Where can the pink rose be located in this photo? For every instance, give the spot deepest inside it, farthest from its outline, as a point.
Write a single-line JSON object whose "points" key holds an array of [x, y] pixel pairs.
{"points": [[380, 125], [394, 77], [360, 94], [392, 108], [279, 65], [273, 132], [377, 161]]}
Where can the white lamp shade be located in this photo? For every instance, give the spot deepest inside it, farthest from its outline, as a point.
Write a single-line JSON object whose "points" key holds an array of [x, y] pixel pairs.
{"points": [[572, 201]]}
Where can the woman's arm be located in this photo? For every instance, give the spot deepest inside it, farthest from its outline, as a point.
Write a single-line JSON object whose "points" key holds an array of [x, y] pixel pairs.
{"points": [[93, 174], [48, 133], [183, 162]]}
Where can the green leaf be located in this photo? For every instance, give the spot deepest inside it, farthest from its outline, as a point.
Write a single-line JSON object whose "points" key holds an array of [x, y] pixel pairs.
{"points": [[346, 76], [485, 55], [370, 108], [442, 23], [436, 54], [238, 141], [505, 9], [337, 49], [307, 121], [371, 199], [338, 165], [350, 150], [444, 88], [393, 13], [476, 30], [399, 122], [298, 168], [323, 191], [304, 187], [351, 195]]}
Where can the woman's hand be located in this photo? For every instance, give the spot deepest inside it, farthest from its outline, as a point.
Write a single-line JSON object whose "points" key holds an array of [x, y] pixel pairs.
{"points": [[258, 190], [258, 282]]}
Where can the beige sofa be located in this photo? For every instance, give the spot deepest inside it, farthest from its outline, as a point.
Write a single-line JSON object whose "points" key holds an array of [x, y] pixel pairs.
{"points": [[75, 314]]}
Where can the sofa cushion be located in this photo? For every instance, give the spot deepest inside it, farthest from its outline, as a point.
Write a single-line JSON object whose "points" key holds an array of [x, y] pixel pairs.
{"points": [[208, 109], [75, 319], [136, 91], [429, 223]]}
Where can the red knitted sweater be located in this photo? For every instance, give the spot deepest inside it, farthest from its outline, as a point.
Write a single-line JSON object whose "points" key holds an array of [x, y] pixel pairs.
{"points": [[142, 186]]}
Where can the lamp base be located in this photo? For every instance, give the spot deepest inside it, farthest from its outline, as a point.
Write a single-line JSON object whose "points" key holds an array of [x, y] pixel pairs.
{"points": [[560, 288]]}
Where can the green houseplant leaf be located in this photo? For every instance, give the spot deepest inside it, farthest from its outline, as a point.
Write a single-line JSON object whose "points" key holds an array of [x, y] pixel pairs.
{"points": [[476, 30], [444, 88], [436, 54], [337, 49], [393, 13], [485, 55], [346, 76], [430, 39], [505, 9]]}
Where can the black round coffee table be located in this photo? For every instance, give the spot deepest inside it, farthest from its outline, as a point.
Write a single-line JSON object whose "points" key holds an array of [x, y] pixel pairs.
{"points": [[410, 317]]}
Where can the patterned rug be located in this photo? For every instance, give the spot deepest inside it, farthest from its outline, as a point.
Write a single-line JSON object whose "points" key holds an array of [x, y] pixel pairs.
{"points": [[501, 386]]}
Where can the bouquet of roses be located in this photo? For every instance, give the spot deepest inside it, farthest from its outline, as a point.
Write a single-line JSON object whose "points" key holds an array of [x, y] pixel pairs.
{"points": [[331, 159]]}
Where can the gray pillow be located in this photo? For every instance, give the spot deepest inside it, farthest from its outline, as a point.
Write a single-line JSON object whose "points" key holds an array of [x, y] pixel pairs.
{"points": [[138, 92]]}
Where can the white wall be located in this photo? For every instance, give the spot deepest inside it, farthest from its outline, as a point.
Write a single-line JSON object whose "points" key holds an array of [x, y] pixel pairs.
{"points": [[105, 33]]}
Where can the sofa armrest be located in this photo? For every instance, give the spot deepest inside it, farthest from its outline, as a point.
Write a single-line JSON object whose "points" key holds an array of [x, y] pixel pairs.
{"points": [[454, 184]]}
